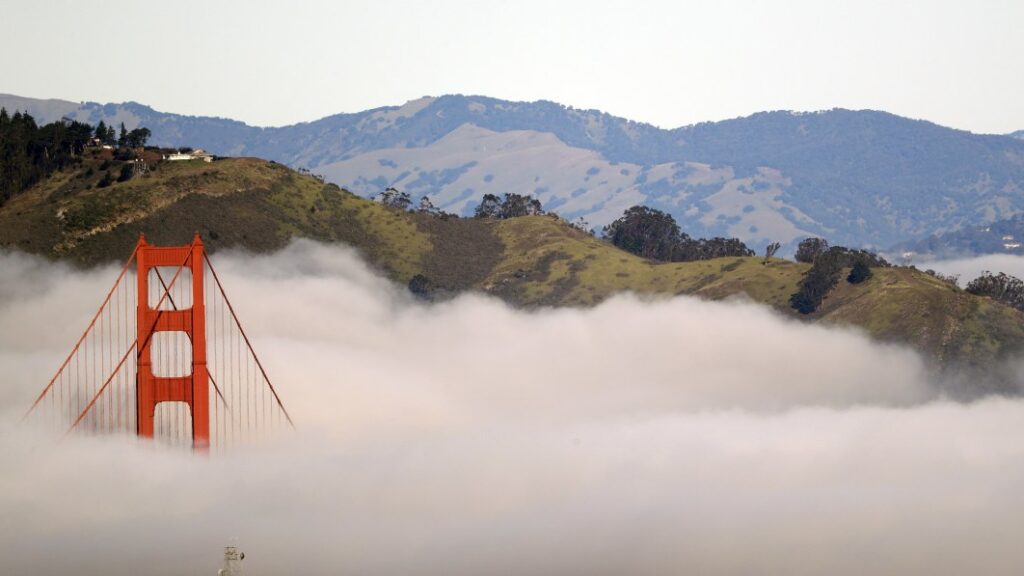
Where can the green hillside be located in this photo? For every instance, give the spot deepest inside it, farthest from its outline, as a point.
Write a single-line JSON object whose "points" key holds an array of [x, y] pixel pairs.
{"points": [[529, 261]]}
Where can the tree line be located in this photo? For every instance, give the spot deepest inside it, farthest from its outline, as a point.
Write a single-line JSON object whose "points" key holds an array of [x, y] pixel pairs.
{"points": [[29, 152], [1000, 287], [135, 138], [644, 231]]}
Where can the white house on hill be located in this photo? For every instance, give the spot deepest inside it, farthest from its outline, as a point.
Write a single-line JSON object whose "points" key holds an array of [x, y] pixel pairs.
{"points": [[197, 154]]}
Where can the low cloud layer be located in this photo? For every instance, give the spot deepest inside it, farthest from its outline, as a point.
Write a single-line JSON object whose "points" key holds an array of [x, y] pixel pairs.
{"points": [[641, 437], [970, 268]]}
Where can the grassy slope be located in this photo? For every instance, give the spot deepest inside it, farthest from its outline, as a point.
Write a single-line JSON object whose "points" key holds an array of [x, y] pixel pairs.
{"points": [[549, 263], [236, 202], [947, 323], [528, 261]]}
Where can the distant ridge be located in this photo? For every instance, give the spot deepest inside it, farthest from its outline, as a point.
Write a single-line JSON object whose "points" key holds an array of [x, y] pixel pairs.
{"points": [[999, 237], [857, 177]]}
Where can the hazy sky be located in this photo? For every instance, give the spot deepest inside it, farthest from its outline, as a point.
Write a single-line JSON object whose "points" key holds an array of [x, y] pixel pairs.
{"points": [[669, 63]]}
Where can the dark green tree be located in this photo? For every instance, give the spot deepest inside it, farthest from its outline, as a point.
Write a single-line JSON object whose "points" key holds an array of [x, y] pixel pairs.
{"points": [[393, 198], [859, 273], [651, 233], [646, 232], [708, 248], [137, 138], [489, 207], [810, 248], [516, 205], [421, 287]]}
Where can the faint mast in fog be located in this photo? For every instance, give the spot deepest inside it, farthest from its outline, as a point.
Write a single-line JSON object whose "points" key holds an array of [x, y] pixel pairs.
{"points": [[232, 562]]}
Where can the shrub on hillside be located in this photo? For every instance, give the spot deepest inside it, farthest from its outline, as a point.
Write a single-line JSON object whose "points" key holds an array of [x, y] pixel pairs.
{"points": [[859, 273], [127, 170], [421, 287]]}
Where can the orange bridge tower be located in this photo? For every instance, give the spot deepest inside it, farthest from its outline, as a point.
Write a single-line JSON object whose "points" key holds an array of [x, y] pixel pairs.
{"points": [[167, 316], [165, 357]]}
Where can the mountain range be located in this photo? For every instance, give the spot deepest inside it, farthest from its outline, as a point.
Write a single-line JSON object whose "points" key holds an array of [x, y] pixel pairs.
{"points": [[860, 178]]}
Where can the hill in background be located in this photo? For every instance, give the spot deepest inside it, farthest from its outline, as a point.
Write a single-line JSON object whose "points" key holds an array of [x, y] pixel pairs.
{"points": [[999, 237], [527, 261], [856, 177]]}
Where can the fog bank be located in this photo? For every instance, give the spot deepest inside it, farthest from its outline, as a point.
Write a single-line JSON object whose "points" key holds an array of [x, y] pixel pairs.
{"points": [[643, 437], [970, 268]]}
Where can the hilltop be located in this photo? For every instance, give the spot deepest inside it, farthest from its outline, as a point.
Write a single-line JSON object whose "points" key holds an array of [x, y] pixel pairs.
{"points": [[528, 261], [858, 177]]}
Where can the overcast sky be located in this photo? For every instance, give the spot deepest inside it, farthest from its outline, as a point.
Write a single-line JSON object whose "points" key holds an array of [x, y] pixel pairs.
{"points": [[668, 63]]}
